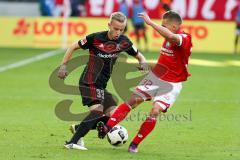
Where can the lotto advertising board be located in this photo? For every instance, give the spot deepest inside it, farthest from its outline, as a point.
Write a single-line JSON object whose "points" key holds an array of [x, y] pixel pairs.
{"points": [[208, 36]]}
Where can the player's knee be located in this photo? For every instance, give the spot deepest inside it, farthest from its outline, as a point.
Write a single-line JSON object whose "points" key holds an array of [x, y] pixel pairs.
{"points": [[96, 108], [155, 112], [158, 108], [108, 112], [135, 100]]}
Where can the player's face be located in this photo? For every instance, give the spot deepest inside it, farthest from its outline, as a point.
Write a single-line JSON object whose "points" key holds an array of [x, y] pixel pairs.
{"points": [[171, 25], [116, 28]]}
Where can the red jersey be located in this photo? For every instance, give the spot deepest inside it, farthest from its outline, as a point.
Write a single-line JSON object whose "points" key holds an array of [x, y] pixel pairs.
{"points": [[175, 59]]}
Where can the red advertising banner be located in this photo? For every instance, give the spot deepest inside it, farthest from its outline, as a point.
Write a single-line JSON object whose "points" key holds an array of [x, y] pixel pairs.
{"points": [[220, 10]]}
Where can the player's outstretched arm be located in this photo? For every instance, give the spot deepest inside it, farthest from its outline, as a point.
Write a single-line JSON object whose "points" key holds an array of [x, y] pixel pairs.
{"points": [[62, 72], [142, 62], [69, 52], [163, 31]]}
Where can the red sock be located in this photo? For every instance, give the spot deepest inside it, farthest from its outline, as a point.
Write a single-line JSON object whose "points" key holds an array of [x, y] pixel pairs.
{"points": [[119, 114], [145, 129]]}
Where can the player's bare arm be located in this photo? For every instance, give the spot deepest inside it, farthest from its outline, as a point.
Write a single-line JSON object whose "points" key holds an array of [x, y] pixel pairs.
{"points": [[163, 31], [140, 58], [62, 72], [142, 62], [69, 52]]}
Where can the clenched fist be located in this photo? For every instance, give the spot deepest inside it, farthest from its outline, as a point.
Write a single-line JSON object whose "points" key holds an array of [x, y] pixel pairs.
{"points": [[62, 72]]}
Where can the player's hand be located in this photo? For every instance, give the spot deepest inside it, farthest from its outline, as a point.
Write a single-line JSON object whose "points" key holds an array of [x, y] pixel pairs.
{"points": [[144, 67], [62, 72], [145, 17]]}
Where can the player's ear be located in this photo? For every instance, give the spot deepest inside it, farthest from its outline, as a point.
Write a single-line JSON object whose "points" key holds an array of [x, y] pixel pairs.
{"points": [[174, 27], [109, 24]]}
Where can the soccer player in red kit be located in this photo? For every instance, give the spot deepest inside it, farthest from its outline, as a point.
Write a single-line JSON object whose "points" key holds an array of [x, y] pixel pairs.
{"points": [[163, 84]]}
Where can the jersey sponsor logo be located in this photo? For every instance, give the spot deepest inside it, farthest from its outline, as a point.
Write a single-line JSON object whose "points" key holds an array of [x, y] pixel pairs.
{"points": [[166, 51], [107, 55]]}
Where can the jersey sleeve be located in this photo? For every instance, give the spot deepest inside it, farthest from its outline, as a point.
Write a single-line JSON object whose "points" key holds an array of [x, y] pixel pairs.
{"points": [[86, 42], [185, 40], [133, 51], [130, 48]]}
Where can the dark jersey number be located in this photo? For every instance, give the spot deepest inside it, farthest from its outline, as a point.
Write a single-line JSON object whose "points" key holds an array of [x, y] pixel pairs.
{"points": [[147, 83]]}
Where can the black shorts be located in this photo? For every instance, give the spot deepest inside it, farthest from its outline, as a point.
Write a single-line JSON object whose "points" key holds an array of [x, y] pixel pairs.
{"points": [[92, 95], [139, 26]]}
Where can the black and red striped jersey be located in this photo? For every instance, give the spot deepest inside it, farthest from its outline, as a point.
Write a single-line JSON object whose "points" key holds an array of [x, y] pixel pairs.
{"points": [[103, 54]]}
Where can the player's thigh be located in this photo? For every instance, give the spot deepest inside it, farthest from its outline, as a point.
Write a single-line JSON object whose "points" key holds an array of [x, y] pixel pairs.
{"points": [[91, 96], [155, 111], [96, 107], [165, 101], [135, 100], [149, 87]]}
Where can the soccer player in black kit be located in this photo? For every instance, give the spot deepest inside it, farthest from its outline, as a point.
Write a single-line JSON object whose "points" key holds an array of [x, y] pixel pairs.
{"points": [[104, 48]]}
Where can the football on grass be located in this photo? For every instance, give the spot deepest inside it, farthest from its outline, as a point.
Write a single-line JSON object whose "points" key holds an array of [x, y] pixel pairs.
{"points": [[117, 136]]}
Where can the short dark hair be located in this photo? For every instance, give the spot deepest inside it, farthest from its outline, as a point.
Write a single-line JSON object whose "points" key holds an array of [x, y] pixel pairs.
{"points": [[172, 15]]}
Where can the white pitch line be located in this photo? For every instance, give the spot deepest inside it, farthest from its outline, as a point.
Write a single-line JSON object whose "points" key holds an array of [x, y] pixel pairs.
{"points": [[30, 60]]}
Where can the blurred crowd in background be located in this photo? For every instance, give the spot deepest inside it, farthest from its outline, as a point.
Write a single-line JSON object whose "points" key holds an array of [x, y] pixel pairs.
{"points": [[78, 7], [56, 8], [221, 10]]}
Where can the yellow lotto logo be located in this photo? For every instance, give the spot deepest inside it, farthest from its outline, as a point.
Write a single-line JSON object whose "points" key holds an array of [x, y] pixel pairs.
{"points": [[214, 36]]}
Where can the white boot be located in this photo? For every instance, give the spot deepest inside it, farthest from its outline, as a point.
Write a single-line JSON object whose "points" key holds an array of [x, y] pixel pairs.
{"points": [[75, 146], [81, 141]]}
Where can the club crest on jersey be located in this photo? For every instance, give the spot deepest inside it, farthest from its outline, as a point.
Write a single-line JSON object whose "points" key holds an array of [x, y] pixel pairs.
{"points": [[168, 44]]}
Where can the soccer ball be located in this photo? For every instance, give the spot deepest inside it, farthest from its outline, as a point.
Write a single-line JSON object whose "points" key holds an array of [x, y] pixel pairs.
{"points": [[117, 136]]}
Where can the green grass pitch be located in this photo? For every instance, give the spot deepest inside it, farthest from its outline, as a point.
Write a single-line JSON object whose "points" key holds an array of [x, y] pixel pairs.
{"points": [[208, 129]]}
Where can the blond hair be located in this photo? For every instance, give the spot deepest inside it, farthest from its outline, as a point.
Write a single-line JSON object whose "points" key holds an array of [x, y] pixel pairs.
{"points": [[118, 16]]}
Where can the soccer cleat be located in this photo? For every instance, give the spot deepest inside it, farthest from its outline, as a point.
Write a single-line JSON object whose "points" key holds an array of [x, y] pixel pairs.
{"points": [[73, 129], [102, 130], [81, 142], [132, 148], [75, 146]]}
